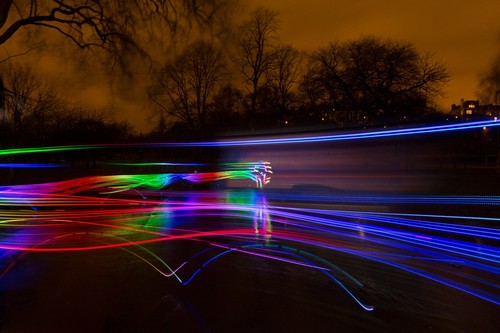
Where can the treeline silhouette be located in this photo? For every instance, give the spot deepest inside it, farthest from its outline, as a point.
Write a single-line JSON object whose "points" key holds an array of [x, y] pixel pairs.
{"points": [[246, 80], [31, 113], [256, 82]]}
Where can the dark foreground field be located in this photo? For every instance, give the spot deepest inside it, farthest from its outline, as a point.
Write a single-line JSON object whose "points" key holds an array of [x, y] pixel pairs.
{"points": [[387, 236], [269, 281]]}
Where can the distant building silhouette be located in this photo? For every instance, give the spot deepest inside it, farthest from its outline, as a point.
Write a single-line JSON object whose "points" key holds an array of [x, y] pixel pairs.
{"points": [[472, 109]]}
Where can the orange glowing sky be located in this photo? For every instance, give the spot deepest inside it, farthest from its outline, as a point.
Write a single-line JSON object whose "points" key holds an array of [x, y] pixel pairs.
{"points": [[465, 35]]}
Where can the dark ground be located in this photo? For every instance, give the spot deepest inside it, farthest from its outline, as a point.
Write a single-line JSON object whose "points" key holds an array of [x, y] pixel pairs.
{"points": [[112, 291], [108, 291]]}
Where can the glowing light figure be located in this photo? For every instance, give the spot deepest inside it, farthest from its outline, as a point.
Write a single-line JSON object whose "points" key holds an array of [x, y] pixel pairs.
{"points": [[257, 172]]}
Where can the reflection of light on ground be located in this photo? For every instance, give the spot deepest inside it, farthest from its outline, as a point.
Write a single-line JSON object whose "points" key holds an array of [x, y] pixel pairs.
{"points": [[250, 223], [345, 210]]}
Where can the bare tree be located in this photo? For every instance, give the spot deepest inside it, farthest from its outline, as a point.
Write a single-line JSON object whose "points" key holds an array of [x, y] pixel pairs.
{"points": [[116, 32], [489, 83], [327, 73], [313, 94], [369, 79], [228, 109], [90, 22], [185, 88], [255, 40], [30, 105], [126, 29], [281, 76], [22, 90]]}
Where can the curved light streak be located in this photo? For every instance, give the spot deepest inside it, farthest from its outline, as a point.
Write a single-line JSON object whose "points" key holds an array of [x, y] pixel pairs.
{"points": [[274, 141], [422, 244]]}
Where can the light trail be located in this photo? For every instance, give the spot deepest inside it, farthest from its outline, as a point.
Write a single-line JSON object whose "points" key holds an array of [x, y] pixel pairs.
{"points": [[421, 244], [137, 214], [362, 135], [31, 165], [140, 164], [258, 172]]}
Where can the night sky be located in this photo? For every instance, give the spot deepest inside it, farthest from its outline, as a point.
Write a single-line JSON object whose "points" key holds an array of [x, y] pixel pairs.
{"points": [[465, 35]]}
